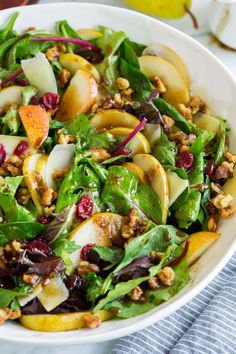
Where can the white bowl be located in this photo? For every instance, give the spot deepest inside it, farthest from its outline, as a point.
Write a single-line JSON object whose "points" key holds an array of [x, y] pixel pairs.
{"points": [[210, 79]]}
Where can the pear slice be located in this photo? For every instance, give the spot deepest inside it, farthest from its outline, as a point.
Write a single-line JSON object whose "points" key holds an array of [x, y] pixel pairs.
{"points": [[176, 92], [152, 132], [137, 145], [176, 185], [41, 167], [199, 243], [10, 142], [31, 179], [10, 95], [39, 73], [87, 34], [72, 62], [53, 294], [206, 122], [171, 56], [60, 157], [131, 166], [60, 322], [111, 118], [79, 96], [158, 178], [100, 229]]}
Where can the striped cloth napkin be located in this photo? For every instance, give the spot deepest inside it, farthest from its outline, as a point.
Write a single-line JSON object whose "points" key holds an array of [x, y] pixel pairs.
{"points": [[207, 324]]}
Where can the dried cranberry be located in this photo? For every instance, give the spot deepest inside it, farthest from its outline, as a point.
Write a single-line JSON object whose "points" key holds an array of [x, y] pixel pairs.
{"points": [[44, 219], [84, 207], [21, 82], [185, 160], [38, 246], [3, 154], [86, 250], [36, 101], [21, 148], [50, 100], [210, 170], [95, 58]]}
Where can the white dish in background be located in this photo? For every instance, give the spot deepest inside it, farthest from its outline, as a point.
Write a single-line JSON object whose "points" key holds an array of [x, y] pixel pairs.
{"points": [[210, 79]]}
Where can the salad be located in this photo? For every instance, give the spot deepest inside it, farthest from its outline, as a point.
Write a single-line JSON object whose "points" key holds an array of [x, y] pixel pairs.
{"points": [[113, 177]]}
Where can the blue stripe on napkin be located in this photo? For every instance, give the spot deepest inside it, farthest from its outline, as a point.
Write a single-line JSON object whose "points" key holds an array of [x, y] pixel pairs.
{"points": [[207, 324]]}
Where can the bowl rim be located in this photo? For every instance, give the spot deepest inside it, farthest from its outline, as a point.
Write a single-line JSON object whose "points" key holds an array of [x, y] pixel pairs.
{"points": [[39, 338]]}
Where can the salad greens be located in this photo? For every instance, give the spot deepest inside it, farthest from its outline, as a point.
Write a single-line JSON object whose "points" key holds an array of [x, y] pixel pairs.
{"points": [[103, 176]]}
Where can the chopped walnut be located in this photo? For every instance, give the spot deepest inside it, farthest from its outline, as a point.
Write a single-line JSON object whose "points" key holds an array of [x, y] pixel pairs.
{"points": [[86, 267], [61, 47], [184, 148], [178, 137], [185, 111], [133, 226], [52, 53], [13, 248], [49, 210], [17, 246], [190, 139], [31, 279], [122, 84], [126, 94], [12, 166], [197, 104], [65, 139], [168, 121], [227, 212], [224, 171], [156, 256], [166, 276], [6, 314], [136, 294], [222, 201], [153, 283], [47, 195], [64, 77], [107, 103], [118, 101], [100, 154], [215, 187], [91, 321], [212, 223], [230, 157], [23, 196], [61, 174], [159, 85]]}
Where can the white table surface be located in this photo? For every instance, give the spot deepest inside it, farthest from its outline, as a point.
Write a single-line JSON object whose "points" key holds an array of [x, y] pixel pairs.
{"points": [[228, 57]]}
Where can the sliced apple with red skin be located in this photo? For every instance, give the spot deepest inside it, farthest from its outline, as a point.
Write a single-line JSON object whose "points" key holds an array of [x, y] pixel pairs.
{"points": [[171, 56], [138, 144], [39, 73], [61, 322], [87, 34], [60, 158], [79, 96], [199, 243], [36, 123], [176, 90], [31, 179], [10, 95], [112, 118], [100, 229], [158, 179], [72, 62]]}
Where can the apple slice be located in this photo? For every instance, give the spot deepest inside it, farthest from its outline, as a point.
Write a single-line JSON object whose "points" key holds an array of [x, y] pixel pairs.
{"points": [[199, 243], [176, 92], [111, 118], [137, 145], [171, 56], [60, 157], [60, 322], [73, 62], [87, 34], [23, 300], [79, 96], [207, 122], [30, 175], [10, 142], [131, 166], [39, 73], [101, 229], [41, 167], [176, 185], [10, 95], [53, 294], [158, 178], [36, 123], [230, 188]]}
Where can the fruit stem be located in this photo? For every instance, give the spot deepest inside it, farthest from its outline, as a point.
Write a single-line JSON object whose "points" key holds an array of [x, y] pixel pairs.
{"points": [[11, 77], [66, 40], [189, 12]]}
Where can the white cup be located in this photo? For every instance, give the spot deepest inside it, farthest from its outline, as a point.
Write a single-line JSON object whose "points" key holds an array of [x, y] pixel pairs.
{"points": [[222, 21]]}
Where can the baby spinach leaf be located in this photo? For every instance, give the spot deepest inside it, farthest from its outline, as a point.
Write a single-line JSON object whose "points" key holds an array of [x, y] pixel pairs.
{"points": [[188, 212], [138, 48], [19, 50], [93, 285], [128, 54], [7, 295], [196, 175], [109, 254], [19, 231], [204, 137], [4, 48], [165, 150], [169, 110], [124, 191], [154, 298], [65, 30], [206, 195], [180, 200], [6, 31], [108, 68]]}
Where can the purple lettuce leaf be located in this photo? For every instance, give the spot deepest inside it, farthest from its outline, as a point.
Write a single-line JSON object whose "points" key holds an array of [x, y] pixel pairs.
{"points": [[138, 268]]}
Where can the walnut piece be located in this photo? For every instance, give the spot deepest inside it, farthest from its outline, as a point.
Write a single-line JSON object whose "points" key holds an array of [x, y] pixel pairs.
{"points": [[185, 111], [159, 84], [153, 283], [166, 276], [122, 83], [91, 321], [86, 267], [6, 314], [230, 157], [100, 154], [222, 201], [212, 224], [136, 294], [47, 195], [227, 212], [64, 77]]}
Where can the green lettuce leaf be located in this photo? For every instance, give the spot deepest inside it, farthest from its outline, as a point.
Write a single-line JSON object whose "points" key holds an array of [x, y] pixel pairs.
{"points": [[165, 150], [93, 285], [7, 32], [11, 122], [19, 231], [189, 211]]}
